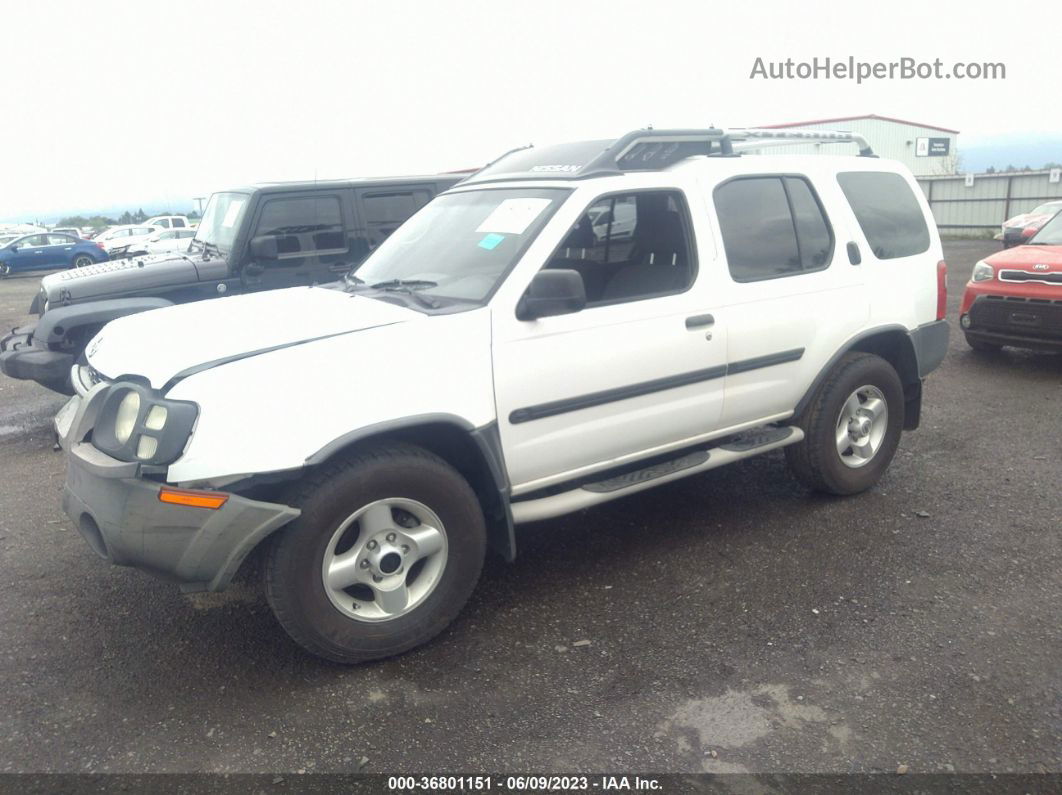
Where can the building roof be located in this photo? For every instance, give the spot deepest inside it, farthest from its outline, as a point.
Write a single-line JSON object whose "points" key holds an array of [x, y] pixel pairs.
{"points": [[860, 118]]}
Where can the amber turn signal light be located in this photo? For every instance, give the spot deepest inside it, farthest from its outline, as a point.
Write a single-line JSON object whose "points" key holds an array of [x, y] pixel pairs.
{"points": [[197, 499]]}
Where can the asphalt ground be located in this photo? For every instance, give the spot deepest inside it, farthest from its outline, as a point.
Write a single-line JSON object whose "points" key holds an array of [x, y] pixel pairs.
{"points": [[735, 622]]}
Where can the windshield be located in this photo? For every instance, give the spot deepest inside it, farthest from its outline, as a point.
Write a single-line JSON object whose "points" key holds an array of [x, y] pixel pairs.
{"points": [[221, 221], [461, 244], [1050, 234]]}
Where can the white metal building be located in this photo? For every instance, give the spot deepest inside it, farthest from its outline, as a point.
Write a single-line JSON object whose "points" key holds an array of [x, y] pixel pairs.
{"points": [[926, 149]]}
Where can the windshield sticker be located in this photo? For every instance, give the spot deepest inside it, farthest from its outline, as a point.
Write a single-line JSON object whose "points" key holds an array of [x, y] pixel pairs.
{"points": [[491, 241], [513, 216], [231, 213]]}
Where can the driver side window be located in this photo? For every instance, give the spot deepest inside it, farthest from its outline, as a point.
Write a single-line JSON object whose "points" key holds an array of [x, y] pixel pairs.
{"points": [[630, 246]]}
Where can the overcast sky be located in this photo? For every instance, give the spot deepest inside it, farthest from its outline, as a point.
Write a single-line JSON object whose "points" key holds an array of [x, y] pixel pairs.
{"points": [[123, 103]]}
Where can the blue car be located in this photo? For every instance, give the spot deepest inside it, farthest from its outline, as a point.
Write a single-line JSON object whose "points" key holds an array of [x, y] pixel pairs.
{"points": [[45, 251]]}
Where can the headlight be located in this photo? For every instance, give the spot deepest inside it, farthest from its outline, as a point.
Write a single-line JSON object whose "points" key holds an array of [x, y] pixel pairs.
{"points": [[982, 272], [136, 424], [125, 416]]}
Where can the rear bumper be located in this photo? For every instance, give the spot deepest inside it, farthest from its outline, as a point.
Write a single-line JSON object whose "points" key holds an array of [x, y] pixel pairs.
{"points": [[21, 358], [121, 517], [1012, 320]]}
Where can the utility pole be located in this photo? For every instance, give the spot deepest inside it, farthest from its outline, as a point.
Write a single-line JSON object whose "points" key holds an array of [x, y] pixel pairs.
{"points": [[199, 201]]}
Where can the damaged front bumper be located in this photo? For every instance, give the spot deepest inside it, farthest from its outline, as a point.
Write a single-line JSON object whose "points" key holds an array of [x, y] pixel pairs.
{"points": [[22, 358], [121, 516]]}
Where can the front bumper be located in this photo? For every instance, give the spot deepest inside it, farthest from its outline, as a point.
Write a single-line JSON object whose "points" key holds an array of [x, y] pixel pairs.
{"points": [[1014, 320], [121, 517], [21, 358]]}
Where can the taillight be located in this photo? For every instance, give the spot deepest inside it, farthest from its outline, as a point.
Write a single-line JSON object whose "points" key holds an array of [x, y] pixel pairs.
{"points": [[942, 290], [99, 244], [1029, 231]]}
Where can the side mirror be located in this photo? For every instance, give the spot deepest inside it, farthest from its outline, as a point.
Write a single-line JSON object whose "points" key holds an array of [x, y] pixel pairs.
{"points": [[552, 292], [1012, 236], [264, 247]]}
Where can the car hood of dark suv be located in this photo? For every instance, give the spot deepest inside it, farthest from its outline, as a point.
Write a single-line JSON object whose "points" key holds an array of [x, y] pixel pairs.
{"points": [[116, 278]]}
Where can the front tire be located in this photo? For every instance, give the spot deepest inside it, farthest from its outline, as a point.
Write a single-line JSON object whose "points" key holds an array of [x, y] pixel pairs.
{"points": [[5, 270], [386, 552], [852, 427]]}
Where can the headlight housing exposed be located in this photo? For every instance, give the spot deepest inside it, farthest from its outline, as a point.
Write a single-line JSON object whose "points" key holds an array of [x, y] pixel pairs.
{"points": [[136, 424], [982, 272]]}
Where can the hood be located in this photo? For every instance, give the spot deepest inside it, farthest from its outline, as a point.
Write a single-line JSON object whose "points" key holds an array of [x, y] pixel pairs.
{"points": [[165, 343], [1035, 259], [118, 277]]}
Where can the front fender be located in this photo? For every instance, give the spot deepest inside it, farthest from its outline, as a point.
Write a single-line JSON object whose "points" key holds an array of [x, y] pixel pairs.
{"points": [[56, 324], [284, 409]]}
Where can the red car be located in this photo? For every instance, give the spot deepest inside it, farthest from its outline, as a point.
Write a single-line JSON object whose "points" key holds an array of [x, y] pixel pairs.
{"points": [[1014, 297]]}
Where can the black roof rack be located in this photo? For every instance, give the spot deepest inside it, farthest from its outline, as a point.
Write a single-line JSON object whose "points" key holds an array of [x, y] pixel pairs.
{"points": [[645, 150]]}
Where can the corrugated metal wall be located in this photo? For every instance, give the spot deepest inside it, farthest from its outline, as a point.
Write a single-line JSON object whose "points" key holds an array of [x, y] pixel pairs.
{"points": [[890, 139], [974, 210]]}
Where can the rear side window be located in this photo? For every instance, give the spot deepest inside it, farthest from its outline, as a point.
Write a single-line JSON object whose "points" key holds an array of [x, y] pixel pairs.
{"points": [[386, 211], [178, 222], [772, 226], [887, 211]]}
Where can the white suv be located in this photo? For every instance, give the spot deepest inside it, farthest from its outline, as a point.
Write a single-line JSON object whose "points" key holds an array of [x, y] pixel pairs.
{"points": [[497, 360]]}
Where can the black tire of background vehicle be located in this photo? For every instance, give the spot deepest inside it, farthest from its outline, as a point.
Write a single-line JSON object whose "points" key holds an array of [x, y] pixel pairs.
{"points": [[82, 261], [982, 347], [5, 269], [292, 571], [816, 461]]}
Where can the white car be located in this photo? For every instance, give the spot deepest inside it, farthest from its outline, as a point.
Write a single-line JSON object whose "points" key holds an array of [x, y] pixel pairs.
{"points": [[122, 241], [165, 241], [481, 370], [67, 230], [169, 221]]}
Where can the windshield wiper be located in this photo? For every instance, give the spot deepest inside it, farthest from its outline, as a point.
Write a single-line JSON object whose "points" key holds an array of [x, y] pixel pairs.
{"points": [[410, 288], [413, 284]]}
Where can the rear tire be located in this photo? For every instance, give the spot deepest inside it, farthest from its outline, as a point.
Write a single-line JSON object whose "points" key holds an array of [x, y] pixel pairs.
{"points": [[983, 347], [852, 427], [5, 270], [391, 496], [82, 261]]}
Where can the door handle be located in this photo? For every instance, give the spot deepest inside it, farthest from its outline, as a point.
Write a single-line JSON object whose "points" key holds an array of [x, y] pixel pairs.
{"points": [[854, 256], [700, 321]]}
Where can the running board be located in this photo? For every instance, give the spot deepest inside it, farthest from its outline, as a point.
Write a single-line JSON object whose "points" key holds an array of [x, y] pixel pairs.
{"points": [[735, 448]]}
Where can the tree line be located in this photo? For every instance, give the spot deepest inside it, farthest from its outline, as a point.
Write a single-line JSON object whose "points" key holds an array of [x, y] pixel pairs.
{"points": [[99, 221]]}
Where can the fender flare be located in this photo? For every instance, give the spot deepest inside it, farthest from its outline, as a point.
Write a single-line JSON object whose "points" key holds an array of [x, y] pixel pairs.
{"points": [[493, 486], [56, 324], [911, 380]]}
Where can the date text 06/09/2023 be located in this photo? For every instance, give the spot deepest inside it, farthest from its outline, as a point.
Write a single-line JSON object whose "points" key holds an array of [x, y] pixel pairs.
{"points": [[603, 783]]}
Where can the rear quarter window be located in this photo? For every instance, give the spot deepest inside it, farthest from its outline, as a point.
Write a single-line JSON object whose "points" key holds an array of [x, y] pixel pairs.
{"points": [[888, 213]]}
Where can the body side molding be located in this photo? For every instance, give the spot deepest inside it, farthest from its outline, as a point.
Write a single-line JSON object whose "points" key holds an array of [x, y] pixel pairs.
{"points": [[592, 399]]}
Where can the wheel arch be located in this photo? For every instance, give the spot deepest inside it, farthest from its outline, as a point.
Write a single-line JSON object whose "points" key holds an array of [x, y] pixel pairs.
{"points": [[475, 453], [893, 344]]}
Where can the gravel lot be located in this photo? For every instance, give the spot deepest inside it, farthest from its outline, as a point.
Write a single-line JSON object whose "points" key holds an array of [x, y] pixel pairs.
{"points": [[735, 622]]}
